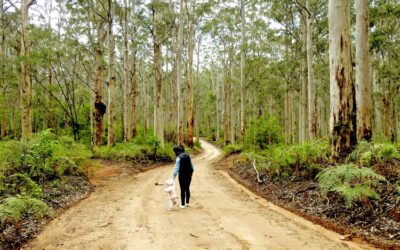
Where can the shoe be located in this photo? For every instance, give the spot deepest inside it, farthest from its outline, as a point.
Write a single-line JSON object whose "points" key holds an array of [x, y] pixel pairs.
{"points": [[187, 205], [169, 209], [181, 206]]}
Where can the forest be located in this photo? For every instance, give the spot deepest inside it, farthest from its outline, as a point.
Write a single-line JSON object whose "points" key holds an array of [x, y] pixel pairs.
{"points": [[295, 91]]}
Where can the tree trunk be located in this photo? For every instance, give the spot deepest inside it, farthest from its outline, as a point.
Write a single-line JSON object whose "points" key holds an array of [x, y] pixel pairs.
{"points": [[377, 104], [363, 84], [158, 108], [26, 85], [217, 105], [242, 70], [232, 113], [111, 77], [100, 107], [3, 111], [179, 126], [226, 107], [132, 118], [303, 100], [124, 116], [312, 115], [342, 97], [190, 75]]}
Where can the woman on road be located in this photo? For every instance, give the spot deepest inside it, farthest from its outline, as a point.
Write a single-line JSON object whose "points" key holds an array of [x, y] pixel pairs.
{"points": [[184, 169]]}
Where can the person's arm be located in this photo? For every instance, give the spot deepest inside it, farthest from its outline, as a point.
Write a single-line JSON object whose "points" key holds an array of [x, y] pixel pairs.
{"points": [[177, 166], [191, 164]]}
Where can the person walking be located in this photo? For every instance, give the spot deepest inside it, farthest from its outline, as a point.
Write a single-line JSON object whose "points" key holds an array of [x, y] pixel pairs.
{"points": [[184, 170]]}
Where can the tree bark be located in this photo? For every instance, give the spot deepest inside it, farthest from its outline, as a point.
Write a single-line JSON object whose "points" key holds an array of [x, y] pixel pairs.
{"points": [[363, 84], [377, 103], [342, 97], [3, 111], [242, 70], [100, 107], [312, 115], [124, 117], [158, 108], [133, 94], [25, 82], [111, 77], [226, 106], [190, 75], [179, 126], [304, 75]]}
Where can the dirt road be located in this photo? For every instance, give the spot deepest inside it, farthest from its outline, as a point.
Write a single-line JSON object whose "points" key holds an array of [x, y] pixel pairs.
{"points": [[129, 212]]}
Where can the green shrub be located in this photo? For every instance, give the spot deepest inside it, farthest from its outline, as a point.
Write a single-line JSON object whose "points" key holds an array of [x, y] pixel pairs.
{"points": [[264, 164], [232, 149], [385, 152], [132, 151], [366, 154], [309, 152], [350, 182], [296, 158], [197, 143], [44, 157], [14, 208], [21, 184], [262, 132]]}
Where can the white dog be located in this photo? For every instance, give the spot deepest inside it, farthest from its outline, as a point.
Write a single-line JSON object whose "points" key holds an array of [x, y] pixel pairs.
{"points": [[170, 190]]}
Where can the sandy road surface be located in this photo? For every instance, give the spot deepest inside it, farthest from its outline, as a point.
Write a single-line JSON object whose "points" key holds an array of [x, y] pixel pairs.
{"points": [[129, 212]]}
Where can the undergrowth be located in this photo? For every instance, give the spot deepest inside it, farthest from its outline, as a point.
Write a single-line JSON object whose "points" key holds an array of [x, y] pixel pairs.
{"points": [[368, 169], [351, 182], [26, 166]]}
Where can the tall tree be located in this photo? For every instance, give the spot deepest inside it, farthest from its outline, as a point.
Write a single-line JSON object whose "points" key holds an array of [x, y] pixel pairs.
{"points": [[100, 107], [312, 115], [126, 74], [190, 127], [25, 81], [363, 84], [157, 41], [303, 77], [242, 69], [133, 91], [342, 97], [111, 76], [179, 72], [3, 126]]}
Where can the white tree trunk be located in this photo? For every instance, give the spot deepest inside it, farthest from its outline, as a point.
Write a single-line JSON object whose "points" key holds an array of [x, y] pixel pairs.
{"points": [[25, 82], [111, 77], [3, 112], [242, 69], [158, 107], [179, 119], [190, 120], [125, 117], [312, 115], [363, 84], [304, 75], [342, 97]]}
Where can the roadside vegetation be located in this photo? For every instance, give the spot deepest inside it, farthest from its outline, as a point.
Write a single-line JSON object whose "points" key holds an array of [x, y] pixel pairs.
{"points": [[50, 172], [361, 190]]}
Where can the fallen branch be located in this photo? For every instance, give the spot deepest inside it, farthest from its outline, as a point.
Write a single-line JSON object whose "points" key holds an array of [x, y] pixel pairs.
{"points": [[194, 235], [306, 189], [255, 169]]}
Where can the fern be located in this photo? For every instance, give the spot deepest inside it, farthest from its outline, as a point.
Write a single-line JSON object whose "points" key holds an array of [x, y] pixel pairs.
{"points": [[22, 184], [351, 182], [232, 149], [14, 208], [367, 154]]}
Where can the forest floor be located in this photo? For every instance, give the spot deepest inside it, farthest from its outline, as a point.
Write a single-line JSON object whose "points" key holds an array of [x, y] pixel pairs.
{"points": [[360, 223], [129, 212]]}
